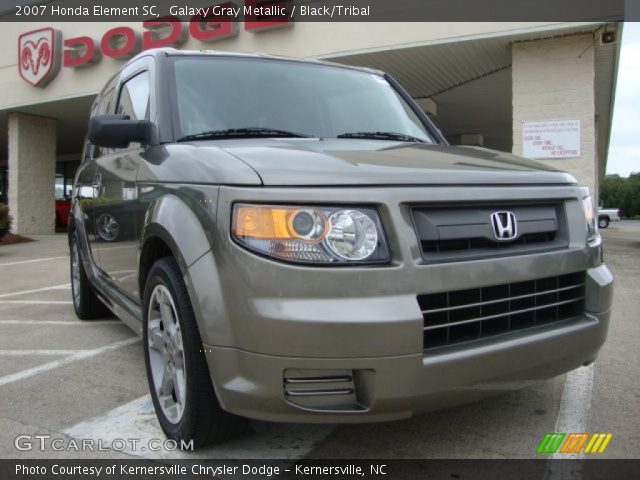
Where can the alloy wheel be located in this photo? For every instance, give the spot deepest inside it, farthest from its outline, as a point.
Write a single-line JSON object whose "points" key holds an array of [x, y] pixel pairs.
{"points": [[166, 354]]}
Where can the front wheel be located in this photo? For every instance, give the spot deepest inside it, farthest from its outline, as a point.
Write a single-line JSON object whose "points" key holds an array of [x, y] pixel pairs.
{"points": [[181, 389], [603, 222]]}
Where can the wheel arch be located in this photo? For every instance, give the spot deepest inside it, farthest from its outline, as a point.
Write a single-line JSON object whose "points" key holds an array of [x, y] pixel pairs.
{"points": [[156, 246], [171, 228]]}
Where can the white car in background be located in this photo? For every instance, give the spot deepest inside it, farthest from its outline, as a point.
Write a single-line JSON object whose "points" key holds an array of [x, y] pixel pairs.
{"points": [[607, 215]]}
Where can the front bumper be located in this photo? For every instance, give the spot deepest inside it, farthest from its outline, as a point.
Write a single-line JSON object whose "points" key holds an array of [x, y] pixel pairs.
{"points": [[399, 386], [265, 323]]}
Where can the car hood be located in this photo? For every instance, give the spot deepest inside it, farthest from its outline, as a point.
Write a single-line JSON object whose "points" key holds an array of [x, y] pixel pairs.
{"points": [[287, 162]]}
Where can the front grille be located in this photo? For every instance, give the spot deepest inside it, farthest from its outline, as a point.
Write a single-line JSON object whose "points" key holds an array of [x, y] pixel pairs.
{"points": [[455, 233], [473, 314], [483, 244]]}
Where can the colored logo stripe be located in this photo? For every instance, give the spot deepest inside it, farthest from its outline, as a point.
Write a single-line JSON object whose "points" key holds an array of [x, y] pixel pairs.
{"points": [[596, 443], [550, 443], [574, 443]]}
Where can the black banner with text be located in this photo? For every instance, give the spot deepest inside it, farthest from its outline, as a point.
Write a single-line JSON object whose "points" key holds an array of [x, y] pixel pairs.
{"points": [[268, 11]]}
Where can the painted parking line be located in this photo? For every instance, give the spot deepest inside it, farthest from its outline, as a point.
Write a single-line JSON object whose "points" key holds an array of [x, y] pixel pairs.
{"points": [[64, 286], [81, 355], [137, 420], [21, 262], [573, 416], [575, 405], [72, 323]]}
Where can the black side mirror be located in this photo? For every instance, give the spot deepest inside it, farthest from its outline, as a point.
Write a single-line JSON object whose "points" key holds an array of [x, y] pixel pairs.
{"points": [[117, 131]]}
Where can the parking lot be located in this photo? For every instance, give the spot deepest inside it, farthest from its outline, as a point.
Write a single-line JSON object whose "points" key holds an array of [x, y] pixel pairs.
{"points": [[66, 378]]}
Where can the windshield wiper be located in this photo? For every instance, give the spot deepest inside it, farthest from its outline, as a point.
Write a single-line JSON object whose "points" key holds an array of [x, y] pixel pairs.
{"points": [[382, 136], [242, 132]]}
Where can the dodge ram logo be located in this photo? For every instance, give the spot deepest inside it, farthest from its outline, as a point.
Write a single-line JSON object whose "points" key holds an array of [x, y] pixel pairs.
{"points": [[39, 56], [504, 225]]}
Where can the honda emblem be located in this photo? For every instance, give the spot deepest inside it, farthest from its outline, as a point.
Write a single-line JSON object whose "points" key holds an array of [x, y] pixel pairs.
{"points": [[504, 225]]}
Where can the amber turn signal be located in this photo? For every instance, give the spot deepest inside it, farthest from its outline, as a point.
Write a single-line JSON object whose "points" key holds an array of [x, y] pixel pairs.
{"points": [[280, 223]]}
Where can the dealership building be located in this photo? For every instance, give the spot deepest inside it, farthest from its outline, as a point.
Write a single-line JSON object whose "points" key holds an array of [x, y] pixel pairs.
{"points": [[542, 90]]}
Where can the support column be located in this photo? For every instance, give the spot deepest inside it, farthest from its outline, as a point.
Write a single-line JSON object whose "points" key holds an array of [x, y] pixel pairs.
{"points": [[553, 79], [32, 173]]}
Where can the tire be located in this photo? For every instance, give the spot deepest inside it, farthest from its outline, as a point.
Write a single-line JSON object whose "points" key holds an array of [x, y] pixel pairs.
{"points": [[185, 403], [86, 303], [603, 222]]}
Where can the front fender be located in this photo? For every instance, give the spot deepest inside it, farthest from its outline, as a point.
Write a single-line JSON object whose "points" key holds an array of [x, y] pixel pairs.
{"points": [[172, 220], [184, 220]]}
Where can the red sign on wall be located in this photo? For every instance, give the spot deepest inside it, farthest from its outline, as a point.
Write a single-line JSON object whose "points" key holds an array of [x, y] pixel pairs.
{"points": [[39, 56]]}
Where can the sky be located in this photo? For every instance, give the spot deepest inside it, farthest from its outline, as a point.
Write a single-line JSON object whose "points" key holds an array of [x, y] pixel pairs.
{"points": [[624, 146]]}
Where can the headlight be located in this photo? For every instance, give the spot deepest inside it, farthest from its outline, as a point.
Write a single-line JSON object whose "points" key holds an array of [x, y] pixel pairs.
{"points": [[307, 234], [589, 214]]}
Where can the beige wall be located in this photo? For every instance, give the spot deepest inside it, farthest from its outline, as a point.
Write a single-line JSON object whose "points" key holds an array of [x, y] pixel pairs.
{"points": [[554, 80], [304, 39]]}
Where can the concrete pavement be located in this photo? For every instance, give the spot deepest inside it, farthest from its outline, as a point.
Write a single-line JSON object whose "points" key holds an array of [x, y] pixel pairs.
{"points": [[85, 380]]}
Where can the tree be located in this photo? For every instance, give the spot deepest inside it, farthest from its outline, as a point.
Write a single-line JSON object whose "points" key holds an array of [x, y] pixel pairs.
{"points": [[622, 193]]}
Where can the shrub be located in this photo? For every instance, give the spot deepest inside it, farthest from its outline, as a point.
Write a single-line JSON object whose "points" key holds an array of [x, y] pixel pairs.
{"points": [[5, 218]]}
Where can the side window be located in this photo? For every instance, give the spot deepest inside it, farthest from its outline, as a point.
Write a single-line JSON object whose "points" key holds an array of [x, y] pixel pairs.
{"points": [[134, 100], [134, 97]]}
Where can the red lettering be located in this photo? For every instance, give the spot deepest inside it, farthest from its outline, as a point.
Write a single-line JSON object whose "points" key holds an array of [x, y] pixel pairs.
{"points": [[124, 42], [80, 52], [209, 28], [152, 38], [120, 42]]}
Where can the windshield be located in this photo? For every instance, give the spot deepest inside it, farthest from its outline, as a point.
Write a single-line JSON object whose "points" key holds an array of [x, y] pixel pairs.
{"points": [[214, 94]]}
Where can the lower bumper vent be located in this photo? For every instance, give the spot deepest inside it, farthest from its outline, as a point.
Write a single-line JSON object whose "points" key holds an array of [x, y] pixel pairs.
{"points": [[327, 390], [467, 315]]}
